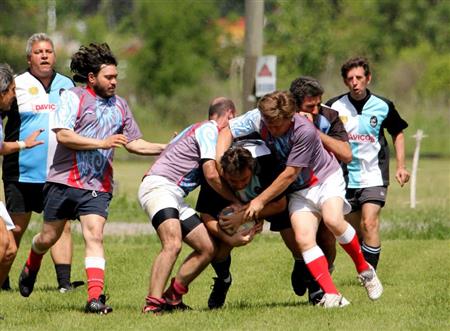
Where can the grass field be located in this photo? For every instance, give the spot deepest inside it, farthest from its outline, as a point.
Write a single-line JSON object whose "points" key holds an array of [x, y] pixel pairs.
{"points": [[414, 273], [415, 269], [430, 219]]}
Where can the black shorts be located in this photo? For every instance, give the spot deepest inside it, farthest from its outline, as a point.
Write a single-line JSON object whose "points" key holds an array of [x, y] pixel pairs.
{"points": [[187, 225], [63, 202], [359, 196], [279, 221], [24, 197]]}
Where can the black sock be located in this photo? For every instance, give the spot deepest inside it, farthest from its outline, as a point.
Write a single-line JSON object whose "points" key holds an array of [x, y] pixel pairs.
{"points": [[371, 254], [6, 285], [222, 268], [303, 271], [63, 274]]}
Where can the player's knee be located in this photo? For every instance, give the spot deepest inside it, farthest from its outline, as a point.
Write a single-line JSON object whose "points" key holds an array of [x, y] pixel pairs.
{"points": [[305, 242], [172, 247], [370, 224], [67, 229], [208, 250], [10, 255], [333, 222], [47, 240]]}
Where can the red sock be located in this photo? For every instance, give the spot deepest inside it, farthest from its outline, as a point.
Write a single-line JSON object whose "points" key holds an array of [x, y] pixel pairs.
{"points": [[175, 292], [34, 260], [95, 281], [318, 266], [349, 242]]}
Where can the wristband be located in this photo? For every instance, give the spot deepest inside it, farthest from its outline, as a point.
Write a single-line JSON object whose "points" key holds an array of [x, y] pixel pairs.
{"points": [[21, 144]]}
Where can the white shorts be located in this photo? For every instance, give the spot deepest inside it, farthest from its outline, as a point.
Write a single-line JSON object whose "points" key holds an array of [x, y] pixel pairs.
{"points": [[157, 193], [5, 216], [312, 199]]}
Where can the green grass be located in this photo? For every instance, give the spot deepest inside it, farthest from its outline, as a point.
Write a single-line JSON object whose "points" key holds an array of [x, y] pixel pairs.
{"points": [[414, 273], [430, 218]]}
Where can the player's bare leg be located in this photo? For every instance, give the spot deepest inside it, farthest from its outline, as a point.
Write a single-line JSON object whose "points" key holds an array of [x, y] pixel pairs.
{"points": [[169, 233], [8, 258], [200, 240], [370, 228]]}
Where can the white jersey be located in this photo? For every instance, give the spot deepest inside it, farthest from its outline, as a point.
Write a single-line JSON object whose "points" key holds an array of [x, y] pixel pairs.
{"points": [[36, 109], [365, 122]]}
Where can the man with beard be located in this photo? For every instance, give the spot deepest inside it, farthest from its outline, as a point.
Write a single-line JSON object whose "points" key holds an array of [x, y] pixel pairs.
{"points": [[91, 122]]}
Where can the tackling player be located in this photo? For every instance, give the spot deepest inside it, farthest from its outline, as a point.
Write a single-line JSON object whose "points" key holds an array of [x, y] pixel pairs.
{"points": [[178, 171], [315, 180]]}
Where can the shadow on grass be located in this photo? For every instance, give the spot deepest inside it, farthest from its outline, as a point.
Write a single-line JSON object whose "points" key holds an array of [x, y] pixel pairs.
{"points": [[243, 304]]}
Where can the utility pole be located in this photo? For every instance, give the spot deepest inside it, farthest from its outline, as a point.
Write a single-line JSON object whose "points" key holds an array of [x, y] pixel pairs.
{"points": [[51, 17], [254, 20]]}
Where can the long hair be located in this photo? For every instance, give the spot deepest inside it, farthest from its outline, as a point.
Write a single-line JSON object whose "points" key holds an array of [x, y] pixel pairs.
{"points": [[90, 59]]}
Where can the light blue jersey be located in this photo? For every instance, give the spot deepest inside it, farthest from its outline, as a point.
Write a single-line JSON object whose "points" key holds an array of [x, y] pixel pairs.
{"points": [[36, 110], [365, 123]]}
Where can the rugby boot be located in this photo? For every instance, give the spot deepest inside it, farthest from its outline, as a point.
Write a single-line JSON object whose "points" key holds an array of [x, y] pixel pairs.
{"points": [[219, 293], [98, 306], [27, 279]]}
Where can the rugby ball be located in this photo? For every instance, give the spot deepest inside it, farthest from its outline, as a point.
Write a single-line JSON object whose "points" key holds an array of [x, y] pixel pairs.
{"points": [[244, 227]]}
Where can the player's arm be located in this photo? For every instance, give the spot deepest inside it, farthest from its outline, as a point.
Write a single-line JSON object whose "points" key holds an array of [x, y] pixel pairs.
{"points": [[340, 149], [279, 185], [144, 147], [235, 240], [273, 208], [215, 181], [75, 141], [9, 147], [401, 174], [235, 220], [224, 142]]}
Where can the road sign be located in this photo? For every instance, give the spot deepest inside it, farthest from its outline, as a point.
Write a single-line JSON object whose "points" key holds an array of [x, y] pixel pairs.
{"points": [[266, 75]]}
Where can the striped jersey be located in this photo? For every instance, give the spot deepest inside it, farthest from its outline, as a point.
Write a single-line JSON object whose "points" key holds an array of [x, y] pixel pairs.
{"points": [[365, 121], [36, 107]]}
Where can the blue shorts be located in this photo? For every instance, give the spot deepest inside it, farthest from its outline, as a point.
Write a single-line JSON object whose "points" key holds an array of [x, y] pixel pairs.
{"points": [[62, 202]]}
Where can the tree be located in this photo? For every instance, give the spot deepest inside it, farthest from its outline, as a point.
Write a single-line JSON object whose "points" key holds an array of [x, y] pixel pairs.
{"points": [[178, 40]]}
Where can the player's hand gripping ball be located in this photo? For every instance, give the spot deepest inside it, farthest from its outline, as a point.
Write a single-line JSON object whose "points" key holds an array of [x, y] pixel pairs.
{"points": [[229, 212]]}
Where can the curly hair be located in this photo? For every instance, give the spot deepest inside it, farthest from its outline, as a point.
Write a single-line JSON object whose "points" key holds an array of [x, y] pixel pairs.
{"points": [[90, 59], [235, 160], [355, 62]]}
